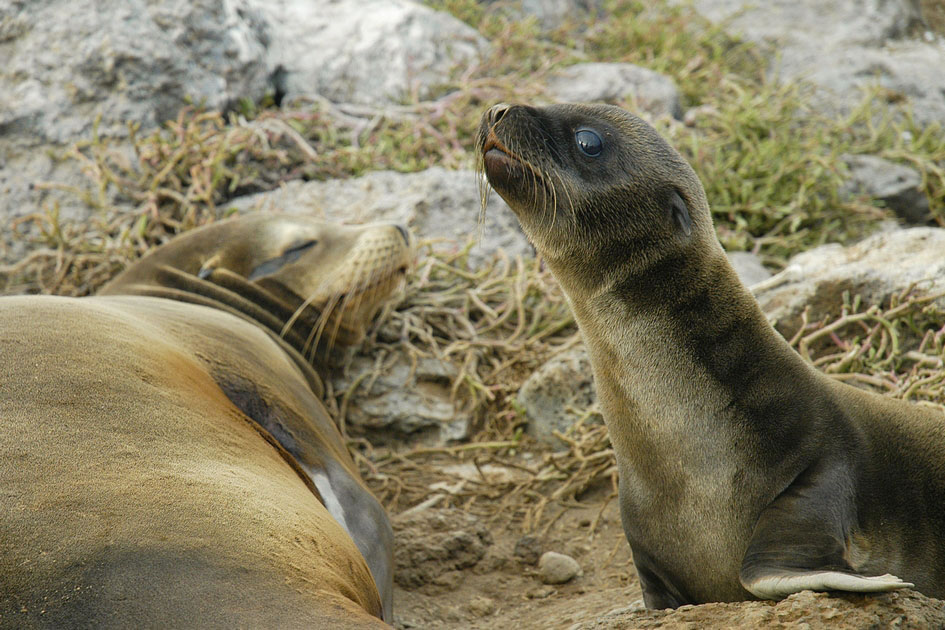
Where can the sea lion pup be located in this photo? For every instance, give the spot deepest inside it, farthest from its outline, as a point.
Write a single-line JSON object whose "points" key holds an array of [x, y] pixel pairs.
{"points": [[743, 470], [165, 456]]}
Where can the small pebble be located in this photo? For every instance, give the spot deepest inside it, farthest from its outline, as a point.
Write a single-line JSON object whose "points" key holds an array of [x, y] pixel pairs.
{"points": [[481, 606], [557, 568]]}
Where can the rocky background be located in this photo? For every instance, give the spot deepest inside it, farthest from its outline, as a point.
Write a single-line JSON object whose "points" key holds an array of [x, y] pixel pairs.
{"points": [[122, 122]]}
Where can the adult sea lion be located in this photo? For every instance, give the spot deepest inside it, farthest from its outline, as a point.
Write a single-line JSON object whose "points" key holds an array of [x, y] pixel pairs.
{"points": [[165, 458], [743, 470]]}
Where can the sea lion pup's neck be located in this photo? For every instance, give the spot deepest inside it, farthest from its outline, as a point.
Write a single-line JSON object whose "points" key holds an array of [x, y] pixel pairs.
{"points": [[623, 222]]}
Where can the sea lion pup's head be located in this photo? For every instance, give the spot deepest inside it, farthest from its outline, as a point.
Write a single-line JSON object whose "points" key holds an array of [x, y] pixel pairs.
{"points": [[308, 281], [597, 190]]}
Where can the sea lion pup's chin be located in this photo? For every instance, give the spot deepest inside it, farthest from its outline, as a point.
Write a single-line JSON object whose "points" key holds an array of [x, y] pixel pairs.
{"points": [[744, 472]]}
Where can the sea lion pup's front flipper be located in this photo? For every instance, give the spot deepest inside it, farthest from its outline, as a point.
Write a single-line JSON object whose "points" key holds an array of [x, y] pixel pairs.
{"points": [[801, 540]]}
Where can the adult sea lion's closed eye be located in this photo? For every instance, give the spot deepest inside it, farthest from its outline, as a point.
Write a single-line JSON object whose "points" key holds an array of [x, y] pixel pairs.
{"points": [[290, 255]]}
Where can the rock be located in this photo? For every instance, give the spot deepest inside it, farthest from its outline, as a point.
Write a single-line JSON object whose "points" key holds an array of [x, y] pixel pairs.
{"points": [[815, 611], [748, 267], [480, 606], [842, 46], [405, 400], [652, 92], [528, 549], [557, 568], [551, 14], [432, 543], [130, 60], [67, 62], [371, 52], [564, 381], [436, 203], [900, 187], [875, 268]]}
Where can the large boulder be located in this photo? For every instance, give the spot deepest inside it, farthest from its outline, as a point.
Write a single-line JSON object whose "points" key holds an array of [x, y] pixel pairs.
{"points": [[402, 400], [653, 93], [68, 63], [842, 46], [896, 185], [371, 52], [556, 393], [65, 63], [875, 268]]}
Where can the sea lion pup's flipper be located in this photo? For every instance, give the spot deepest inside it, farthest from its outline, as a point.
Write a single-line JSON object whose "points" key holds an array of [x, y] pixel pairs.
{"points": [[801, 540], [660, 590]]}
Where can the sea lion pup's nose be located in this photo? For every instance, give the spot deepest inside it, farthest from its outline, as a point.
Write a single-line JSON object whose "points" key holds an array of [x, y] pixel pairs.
{"points": [[403, 233], [496, 112]]}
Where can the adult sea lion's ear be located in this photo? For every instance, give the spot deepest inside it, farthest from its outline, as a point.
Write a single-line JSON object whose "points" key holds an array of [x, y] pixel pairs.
{"points": [[680, 212]]}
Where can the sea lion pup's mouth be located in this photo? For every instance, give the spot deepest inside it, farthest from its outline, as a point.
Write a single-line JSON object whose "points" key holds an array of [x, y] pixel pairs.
{"points": [[504, 166]]}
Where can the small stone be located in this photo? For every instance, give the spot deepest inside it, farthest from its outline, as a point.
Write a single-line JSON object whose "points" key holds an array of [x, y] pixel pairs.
{"points": [[528, 549], [481, 606], [557, 568], [540, 593], [898, 186], [554, 391]]}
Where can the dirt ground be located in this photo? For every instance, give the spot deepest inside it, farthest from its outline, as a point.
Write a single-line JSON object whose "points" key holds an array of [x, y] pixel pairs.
{"points": [[472, 569]]}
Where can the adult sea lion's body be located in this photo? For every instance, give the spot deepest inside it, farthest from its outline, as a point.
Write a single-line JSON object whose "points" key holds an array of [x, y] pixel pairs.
{"points": [[743, 470], [168, 462]]}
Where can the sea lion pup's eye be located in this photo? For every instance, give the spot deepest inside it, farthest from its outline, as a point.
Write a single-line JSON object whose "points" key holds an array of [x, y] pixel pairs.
{"points": [[274, 264], [589, 142]]}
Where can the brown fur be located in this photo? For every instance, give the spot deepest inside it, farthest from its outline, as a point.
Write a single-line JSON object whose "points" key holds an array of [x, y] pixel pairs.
{"points": [[155, 453], [743, 471]]}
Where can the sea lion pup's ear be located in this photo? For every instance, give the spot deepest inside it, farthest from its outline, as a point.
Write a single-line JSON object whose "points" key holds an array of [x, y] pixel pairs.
{"points": [[680, 212], [291, 254]]}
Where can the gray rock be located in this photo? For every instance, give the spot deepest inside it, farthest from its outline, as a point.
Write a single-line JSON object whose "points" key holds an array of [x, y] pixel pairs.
{"points": [[654, 93], [550, 14], [372, 52], [900, 187], [67, 62], [404, 400], [749, 268], [436, 203], [564, 381], [842, 46], [876, 268], [557, 568]]}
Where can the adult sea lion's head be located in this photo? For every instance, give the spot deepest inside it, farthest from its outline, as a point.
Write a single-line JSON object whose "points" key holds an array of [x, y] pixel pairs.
{"points": [[308, 281]]}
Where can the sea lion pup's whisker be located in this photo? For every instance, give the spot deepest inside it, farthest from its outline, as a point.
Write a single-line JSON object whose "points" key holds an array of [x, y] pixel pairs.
{"points": [[815, 484]]}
